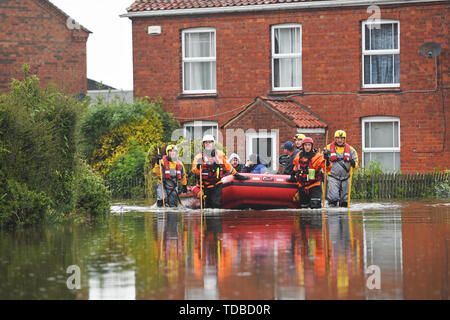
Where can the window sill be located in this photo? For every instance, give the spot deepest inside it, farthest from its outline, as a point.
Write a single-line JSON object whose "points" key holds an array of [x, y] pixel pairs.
{"points": [[197, 96], [379, 90], [285, 93]]}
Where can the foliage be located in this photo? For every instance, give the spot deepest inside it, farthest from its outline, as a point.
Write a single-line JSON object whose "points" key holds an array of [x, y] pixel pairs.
{"points": [[116, 142], [103, 117], [38, 135], [442, 190], [370, 174], [116, 136], [92, 197], [124, 171], [21, 206], [39, 130]]}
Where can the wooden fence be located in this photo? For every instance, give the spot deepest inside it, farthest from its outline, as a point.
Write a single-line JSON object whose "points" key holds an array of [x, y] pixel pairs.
{"points": [[396, 185]]}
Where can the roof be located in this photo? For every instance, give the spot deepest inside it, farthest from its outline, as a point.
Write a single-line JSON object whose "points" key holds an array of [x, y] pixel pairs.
{"points": [[292, 111], [58, 11], [150, 5], [156, 7], [95, 85]]}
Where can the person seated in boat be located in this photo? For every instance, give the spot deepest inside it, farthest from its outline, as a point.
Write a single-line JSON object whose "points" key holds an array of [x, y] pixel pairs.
{"points": [[289, 150], [172, 172], [342, 156], [254, 165], [211, 165], [298, 138], [235, 161], [309, 166]]}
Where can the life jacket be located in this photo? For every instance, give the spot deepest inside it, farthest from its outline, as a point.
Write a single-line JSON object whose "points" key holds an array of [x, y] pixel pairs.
{"points": [[167, 168], [333, 156], [302, 170], [212, 171]]}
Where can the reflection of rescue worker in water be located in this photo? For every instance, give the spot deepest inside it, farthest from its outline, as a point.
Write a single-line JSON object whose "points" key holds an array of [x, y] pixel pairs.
{"points": [[173, 171], [213, 165], [308, 173], [342, 156]]}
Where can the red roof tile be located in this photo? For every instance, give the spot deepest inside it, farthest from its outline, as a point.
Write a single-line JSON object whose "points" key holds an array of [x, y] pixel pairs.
{"points": [[151, 5], [299, 114]]}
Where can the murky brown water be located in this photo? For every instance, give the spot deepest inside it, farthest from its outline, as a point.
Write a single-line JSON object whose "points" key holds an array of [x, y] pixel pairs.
{"points": [[320, 254]]}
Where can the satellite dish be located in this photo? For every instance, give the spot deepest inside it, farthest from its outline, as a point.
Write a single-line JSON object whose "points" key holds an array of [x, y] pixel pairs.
{"points": [[430, 49]]}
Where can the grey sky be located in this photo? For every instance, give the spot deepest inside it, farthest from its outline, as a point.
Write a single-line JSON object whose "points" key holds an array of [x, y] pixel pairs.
{"points": [[109, 47]]}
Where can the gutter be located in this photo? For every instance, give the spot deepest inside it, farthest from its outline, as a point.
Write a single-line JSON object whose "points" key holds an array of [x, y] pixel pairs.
{"points": [[268, 7]]}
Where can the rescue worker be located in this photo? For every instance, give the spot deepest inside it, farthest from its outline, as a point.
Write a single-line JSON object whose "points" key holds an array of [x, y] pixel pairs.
{"points": [[309, 166], [298, 138], [289, 150], [173, 172], [342, 156], [213, 165], [235, 161]]}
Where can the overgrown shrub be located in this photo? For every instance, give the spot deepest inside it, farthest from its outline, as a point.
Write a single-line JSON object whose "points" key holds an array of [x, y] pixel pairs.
{"points": [[38, 134], [39, 155], [92, 197], [442, 190], [21, 206], [126, 176], [115, 139]]}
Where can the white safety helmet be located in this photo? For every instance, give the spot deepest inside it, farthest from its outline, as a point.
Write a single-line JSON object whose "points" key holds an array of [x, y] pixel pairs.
{"points": [[208, 137]]}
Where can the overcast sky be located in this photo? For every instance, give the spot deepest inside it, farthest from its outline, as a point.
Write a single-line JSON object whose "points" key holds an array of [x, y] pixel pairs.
{"points": [[109, 47]]}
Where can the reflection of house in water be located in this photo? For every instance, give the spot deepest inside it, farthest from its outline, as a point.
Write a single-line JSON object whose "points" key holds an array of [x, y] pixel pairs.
{"points": [[112, 285], [383, 248]]}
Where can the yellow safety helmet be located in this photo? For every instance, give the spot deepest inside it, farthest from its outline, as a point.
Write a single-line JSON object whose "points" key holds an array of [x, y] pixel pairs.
{"points": [[171, 147], [299, 136], [340, 134]]}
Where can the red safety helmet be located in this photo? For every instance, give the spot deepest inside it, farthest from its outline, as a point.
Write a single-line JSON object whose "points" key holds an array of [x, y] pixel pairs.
{"points": [[308, 140]]}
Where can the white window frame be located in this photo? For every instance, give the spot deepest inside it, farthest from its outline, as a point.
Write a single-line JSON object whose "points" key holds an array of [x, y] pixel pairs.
{"points": [[380, 119], [263, 134], [378, 52], [197, 59], [202, 123], [286, 55]]}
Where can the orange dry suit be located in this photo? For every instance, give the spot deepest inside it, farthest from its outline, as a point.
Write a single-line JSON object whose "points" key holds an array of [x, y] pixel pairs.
{"points": [[213, 166], [302, 165], [173, 171]]}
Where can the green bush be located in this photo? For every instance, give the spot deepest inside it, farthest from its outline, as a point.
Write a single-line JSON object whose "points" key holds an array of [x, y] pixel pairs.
{"points": [[104, 117], [126, 176], [442, 190], [92, 197], [38, 139], [21, 206], [39, 131]]}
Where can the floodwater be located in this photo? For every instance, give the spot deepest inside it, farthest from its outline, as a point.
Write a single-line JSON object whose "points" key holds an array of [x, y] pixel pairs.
{"points": [[394, 250]]}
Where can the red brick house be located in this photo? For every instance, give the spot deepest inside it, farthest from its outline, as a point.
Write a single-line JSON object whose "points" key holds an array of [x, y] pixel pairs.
{"points": [[247, 64], [38, 33]]}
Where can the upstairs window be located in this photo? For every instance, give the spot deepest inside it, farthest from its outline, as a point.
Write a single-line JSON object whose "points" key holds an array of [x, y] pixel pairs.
{"points": [[381, 54], [199, 60], [287, 57]]}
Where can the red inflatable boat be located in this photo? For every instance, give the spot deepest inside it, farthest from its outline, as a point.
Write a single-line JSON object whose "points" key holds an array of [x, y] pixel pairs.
{"points": [[262, 191]]}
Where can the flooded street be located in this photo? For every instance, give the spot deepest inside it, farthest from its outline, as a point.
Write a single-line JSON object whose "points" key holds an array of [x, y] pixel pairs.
{"points": [[143, 253]]}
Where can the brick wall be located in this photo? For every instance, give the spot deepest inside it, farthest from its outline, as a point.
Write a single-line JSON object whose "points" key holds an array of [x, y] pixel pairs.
{"points": [[331, 60], [36, 33]]}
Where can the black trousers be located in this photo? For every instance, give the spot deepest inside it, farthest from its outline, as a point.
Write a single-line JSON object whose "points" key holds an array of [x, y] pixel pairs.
{"points": [[311, 198], [213, 196]]}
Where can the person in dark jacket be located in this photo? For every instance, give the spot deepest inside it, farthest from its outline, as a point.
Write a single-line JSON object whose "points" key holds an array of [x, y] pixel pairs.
{"points": [[291, 152], [254, 165]]}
